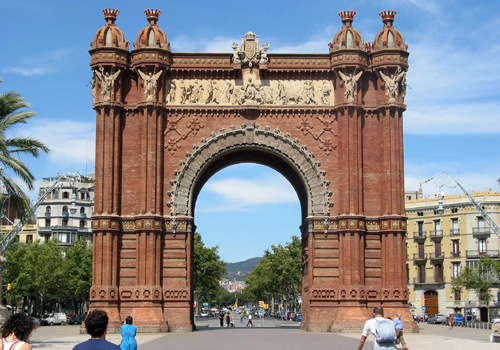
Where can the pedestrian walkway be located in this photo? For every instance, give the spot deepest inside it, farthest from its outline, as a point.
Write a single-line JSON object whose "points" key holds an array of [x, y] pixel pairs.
{"points": [[286, 335]]}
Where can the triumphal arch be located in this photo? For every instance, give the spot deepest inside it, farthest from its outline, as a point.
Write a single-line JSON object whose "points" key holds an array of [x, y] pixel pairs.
{"points": [[330, 122]]}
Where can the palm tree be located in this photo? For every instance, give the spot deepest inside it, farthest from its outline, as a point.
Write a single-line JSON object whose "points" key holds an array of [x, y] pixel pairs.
{"points": [[11, 115]]}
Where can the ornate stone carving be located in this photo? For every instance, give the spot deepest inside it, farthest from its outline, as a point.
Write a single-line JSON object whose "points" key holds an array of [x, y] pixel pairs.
{"points": [[350, 84], [250, 91], [250, 135], [392, 84], [250, 52], [107, 82], [150, 84]]}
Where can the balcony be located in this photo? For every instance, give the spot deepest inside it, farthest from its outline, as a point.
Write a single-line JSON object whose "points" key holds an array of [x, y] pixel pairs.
{"points": [[455, 232], [481, 232], [420, 257], [455, 254], [477, 254], [419, 235], [427, 281], [83, 215], [436, 256], [47, 215], [65, 214], [436, 235]]}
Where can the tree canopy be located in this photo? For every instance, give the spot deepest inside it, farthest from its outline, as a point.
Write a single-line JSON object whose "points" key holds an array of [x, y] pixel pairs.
{"points": [[278, 275], [12, 114]]}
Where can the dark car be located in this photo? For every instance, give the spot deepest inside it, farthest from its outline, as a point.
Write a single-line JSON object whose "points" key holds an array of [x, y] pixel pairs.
{"points": [[77, 320]]}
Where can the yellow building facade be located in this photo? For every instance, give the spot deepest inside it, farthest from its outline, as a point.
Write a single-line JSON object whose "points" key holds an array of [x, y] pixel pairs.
{"points": [[444, 236]]}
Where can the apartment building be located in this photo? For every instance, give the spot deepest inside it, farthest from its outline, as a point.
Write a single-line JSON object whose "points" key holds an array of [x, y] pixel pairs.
{"points": [[66, 212], [445, 234]]}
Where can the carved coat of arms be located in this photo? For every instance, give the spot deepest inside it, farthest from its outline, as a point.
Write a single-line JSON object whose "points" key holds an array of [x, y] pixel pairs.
{"points": [[250, 50]]}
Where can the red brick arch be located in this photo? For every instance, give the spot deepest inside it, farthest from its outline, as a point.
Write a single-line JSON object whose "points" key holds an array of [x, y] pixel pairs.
{"points": [[167, 121]]}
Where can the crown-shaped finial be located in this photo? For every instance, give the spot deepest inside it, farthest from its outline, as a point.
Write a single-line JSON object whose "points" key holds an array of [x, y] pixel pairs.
{"points": [[152, 14], [110, 14], [347, 16], [250, 35], [387, 16]]}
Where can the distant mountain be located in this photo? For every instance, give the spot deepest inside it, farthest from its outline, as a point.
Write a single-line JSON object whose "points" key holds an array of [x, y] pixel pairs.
{"points": [[239, 270]]}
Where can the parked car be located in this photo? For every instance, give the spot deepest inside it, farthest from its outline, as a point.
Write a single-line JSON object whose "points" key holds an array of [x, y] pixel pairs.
{"points": [[297, 317], [437, 318], [54, 318], [36, 321], [459, 318], [77, 320]]}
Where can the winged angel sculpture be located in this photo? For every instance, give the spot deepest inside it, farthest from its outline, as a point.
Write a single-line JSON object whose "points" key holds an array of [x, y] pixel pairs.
{"points": [[108, 82], [392, 84], [350, 84], [150, 84]]}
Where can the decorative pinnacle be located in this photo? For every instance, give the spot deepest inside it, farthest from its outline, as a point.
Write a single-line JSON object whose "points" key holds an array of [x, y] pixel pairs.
{"points": [[110, 14], [388, 16], [347, 16], [152, 15]]}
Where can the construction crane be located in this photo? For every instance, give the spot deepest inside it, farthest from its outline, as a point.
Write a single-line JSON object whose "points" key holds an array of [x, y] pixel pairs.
{"points": [[8, 237], [492, 224]]}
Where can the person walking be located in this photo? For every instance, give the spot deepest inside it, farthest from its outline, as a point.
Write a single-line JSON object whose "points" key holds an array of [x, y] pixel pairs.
{"points": [[221, 318], [451, 321], [96, 324], [250, 319], [15, 332], [382, 329], [128, 335], [228, 318], [398, 325]]}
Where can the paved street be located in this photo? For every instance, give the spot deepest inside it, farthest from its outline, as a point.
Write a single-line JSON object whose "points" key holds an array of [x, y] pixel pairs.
{"points": [[272, 334]]}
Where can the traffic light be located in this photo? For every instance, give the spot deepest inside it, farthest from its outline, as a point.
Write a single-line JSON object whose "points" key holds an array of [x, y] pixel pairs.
{"points": [[9, 286], [262, 303]]}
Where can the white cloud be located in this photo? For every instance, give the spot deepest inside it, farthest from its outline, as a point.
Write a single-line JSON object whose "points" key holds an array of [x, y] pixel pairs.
{"points": [[71, 142], [41, 64], [239, 193]]}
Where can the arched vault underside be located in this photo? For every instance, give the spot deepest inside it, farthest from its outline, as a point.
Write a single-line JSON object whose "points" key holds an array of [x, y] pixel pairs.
{"points": [[249, 143]]}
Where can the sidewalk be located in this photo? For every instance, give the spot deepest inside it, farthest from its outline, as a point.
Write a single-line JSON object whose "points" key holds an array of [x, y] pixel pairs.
{"points": [[287, 336]]}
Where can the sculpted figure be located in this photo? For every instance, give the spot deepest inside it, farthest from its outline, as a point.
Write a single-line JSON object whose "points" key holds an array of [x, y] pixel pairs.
{"points": [[172, 92], [237, 52], [251, 90], [212, 93], [325, 93], [350, 84], [308, 93], [263, 54], [93, 87], [282, 94], [108, 82], [183, 90], [227, 92], [149, 84], [392, 84], [197, 93]]}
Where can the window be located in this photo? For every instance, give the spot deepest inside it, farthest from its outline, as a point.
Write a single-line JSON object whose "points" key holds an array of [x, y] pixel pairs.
{"points": [[455, 248], [349, 39], [454, 227], [82, 223], [480, 225], [151, 38], [438, 273], [390, 39], [47, 222], [65, 194], [65, 222], [82, 210], [420, 226], [29, 238], [454, 210], [420, 213], [437, 227], [456, 269], [481, 246], [109, 37], [82, 195], [421, 273], [458, 296], [421, 250], [437, 249], [47, 209]]}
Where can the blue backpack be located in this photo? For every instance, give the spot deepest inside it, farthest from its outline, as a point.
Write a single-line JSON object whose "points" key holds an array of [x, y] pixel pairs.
{"points": [[385, 331]]}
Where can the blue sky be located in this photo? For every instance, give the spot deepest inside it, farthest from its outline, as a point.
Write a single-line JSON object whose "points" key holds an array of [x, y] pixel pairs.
{"points": [[452, 123]]}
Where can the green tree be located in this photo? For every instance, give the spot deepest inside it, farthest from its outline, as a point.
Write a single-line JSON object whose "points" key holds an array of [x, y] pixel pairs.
{"points": [[479, 279], [78, 272], [11, 115], [208, 271], [278, 275]]}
